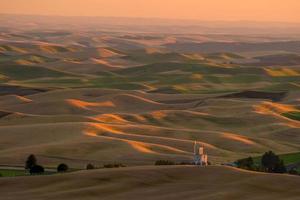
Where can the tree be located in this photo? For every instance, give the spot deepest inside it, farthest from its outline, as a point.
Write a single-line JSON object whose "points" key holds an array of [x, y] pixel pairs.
{"points": [[90, 166], [272, 163], [62, 168], [269, 161], [30, 162], [246, 163], [37, 169]]}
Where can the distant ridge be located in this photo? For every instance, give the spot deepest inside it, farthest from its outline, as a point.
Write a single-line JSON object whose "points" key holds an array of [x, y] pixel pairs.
{"points": [[148, 25], [211, 47]]}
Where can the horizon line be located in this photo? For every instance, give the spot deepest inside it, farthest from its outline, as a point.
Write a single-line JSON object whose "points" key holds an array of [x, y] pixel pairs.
{"points": [[149, 18]]}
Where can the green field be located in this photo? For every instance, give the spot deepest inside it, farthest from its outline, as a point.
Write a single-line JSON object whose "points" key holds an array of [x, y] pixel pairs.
{"points": [[19, 72], [292, 115], [288, 159], [12, 173], [18, 172]]}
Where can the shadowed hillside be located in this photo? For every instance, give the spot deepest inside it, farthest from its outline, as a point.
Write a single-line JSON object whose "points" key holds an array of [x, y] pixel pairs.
{"points": [[154, 183]]}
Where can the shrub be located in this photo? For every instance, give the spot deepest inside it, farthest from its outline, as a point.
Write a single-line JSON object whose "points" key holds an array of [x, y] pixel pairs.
{"points": [[30, 162], [293, 172], [116, 165], [280, 167], [90, 166], [184, 163], [164, 162], [62, 168], [37, 169], [246, 163]]}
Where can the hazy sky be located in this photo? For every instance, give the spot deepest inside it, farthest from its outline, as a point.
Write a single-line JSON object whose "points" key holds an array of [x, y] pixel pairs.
{"points": [[254, 10]]}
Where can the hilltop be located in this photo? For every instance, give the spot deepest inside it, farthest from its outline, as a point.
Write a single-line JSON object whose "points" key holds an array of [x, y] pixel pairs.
{"points": [[177, 182]]}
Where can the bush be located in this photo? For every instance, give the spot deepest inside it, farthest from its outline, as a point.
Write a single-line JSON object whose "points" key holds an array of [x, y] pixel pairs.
{"points": [[37, 169], [246, 163], [280, 167], [62, 168], [116, 165], [293, 172], [184, 163], [164, 162], [30, 162], [90, 166]]}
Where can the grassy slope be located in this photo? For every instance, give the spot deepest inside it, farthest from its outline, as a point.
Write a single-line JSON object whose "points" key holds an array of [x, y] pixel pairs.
{"points": [[292, 115], [290, 158], [11, 173], [19, 72]]}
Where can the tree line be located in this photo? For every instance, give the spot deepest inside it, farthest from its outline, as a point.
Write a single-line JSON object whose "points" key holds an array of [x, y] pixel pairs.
{"points": [[34, 168], [270, 163]]}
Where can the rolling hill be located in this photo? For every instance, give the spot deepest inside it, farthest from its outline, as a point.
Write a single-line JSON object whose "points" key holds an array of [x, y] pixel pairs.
{"points": [[104, 97], [154, 183]]}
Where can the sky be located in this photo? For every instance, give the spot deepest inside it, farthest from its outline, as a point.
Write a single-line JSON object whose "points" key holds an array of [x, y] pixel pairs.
{"points": [[205, 10]]}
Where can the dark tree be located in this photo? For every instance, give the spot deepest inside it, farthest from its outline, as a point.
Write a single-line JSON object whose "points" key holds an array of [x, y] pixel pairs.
{"points": [[90, 166], [272, 163], [62, 168], [269, 161], [37, 169], [246, 163], [30, 162]]}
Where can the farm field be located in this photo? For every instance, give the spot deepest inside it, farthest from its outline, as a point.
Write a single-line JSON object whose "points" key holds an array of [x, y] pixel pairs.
{"points": [[116, 96], [137, 99]]}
